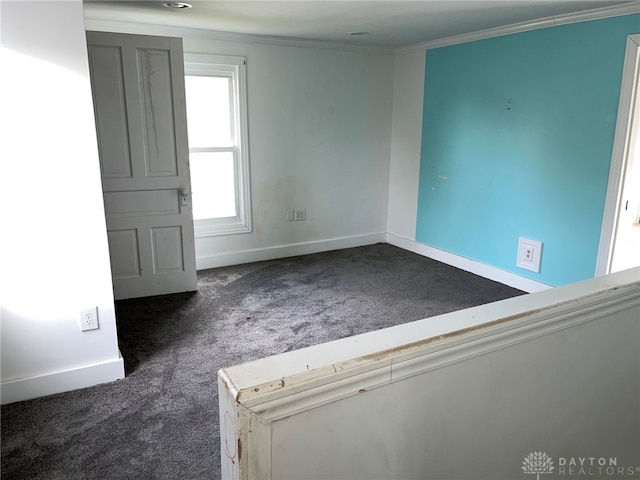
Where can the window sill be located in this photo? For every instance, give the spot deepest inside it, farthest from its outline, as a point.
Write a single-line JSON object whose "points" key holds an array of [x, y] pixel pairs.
{"points": [[223, 226]]}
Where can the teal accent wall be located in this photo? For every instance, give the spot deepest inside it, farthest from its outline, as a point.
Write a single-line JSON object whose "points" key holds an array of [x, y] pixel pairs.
{"points": [[517, 139]]}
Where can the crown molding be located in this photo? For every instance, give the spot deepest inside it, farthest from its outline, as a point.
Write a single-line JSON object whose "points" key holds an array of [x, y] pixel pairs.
{"points": [[100, 25], [553, 21], [97, 24]]}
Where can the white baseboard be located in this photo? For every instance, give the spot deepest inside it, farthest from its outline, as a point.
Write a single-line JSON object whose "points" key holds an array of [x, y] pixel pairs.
{"points": [[296, 249], [481, 269], [291, 250], [58, 382]]}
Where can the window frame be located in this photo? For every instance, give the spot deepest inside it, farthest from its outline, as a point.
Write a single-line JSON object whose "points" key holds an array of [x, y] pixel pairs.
{"points": [[235, 69]]}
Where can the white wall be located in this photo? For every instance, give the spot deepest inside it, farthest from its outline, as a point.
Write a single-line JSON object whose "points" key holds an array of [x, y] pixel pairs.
{"points": [[319, 138], [53, 249], [406, 136], [466, 395]]}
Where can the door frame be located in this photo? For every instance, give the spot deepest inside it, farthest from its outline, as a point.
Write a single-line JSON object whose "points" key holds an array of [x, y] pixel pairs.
{"points": [[619, 157]]}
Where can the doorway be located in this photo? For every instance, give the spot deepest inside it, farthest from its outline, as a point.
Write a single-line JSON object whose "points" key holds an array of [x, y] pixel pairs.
{"points": [[620, 235]]}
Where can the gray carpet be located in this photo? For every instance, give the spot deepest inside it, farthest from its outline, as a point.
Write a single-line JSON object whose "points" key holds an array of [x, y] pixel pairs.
{"points": [[161, 422]]}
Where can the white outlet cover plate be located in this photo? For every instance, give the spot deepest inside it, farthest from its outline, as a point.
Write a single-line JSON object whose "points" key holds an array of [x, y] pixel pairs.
{"points": [[529, 254], [300, 214], [89, 319]]}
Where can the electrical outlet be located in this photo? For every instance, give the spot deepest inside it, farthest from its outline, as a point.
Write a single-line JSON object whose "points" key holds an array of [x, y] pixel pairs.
{"points": [[529, 254], [300, 214], [89, 319]]}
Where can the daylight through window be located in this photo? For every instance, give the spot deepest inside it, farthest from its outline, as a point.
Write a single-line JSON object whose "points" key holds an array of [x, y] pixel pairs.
{"points": [[215, 89]]}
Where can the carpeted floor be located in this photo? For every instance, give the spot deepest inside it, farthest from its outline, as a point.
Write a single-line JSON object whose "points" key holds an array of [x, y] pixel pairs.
{"points": [[161, 421]]}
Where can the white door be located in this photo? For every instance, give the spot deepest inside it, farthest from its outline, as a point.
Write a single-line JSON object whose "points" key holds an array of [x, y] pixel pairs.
{"points": [[139, 101]]}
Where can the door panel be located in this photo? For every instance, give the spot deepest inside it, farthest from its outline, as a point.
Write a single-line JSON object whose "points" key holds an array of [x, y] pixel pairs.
{"points": [[110, 109], [138, 89], [167, 250], [148, 202], [158, 125], [125, 254]]}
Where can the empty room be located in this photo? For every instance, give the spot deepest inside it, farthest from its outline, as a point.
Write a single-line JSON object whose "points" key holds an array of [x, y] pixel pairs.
{"points": [[320, 240]]}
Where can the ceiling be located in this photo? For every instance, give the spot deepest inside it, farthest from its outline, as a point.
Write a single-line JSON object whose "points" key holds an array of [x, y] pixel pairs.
{"points": [[390, 24]]}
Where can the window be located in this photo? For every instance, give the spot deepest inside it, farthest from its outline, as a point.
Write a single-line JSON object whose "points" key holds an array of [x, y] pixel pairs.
{"points": [[215, 89]]}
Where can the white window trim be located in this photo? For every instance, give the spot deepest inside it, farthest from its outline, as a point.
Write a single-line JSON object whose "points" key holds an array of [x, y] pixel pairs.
{"points": [[236, 69]]}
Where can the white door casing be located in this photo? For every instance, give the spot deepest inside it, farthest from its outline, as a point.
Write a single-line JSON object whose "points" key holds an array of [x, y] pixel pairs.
{"points": [[626, 244], [139, 100], [623, 147]]}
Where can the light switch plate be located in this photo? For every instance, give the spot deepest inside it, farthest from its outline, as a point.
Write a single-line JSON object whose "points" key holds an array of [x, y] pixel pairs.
{"points": [[529, 254]]}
